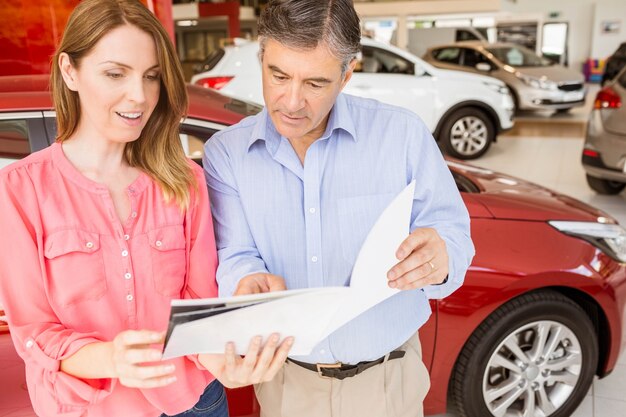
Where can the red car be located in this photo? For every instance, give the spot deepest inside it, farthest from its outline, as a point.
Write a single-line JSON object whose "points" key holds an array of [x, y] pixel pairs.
{"points": [[541, 311]]}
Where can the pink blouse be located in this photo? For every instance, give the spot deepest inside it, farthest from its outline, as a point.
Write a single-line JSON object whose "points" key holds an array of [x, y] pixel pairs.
{"points": [[71, 274]]}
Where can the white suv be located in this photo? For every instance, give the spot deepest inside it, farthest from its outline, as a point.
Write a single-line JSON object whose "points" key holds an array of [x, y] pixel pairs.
{"points": [[465, 112]]}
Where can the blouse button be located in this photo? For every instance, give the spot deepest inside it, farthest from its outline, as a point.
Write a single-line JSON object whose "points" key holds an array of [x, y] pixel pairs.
{"points": [[126, 237], [129, 297], [124, 253], [158, 243], [89, 245], [29, 344], [127, 275], [133, 214]]}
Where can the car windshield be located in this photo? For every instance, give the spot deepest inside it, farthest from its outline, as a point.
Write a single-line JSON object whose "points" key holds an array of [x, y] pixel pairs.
{"points": [[517, 56]]}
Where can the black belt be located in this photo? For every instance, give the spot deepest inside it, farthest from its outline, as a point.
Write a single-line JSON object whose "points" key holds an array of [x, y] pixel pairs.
{"points": [[341, 371]]}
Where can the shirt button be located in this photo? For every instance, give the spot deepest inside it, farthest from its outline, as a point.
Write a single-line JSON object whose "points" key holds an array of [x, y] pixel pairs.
{"points": [[29, 344], [124, 253], [129, 297], [128, 275], [158, 243], [312, 210], [126, 237], [89, 245], [314, 259], [133, 214]]}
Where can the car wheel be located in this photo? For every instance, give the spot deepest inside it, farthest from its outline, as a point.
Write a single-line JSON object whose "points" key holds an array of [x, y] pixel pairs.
{"points": [[534, 356], [608, 187], [467, 133]]}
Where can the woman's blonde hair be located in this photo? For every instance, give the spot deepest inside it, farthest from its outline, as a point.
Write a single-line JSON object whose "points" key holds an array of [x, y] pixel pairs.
{"points": [[158, 150]]}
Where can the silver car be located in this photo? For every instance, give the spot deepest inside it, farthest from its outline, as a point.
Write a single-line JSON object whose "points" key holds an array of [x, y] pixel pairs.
{"points": [[604, 154], [536, 83]]}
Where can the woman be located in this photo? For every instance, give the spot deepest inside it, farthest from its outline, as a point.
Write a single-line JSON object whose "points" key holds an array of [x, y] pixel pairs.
{"points": [[102, 229]]}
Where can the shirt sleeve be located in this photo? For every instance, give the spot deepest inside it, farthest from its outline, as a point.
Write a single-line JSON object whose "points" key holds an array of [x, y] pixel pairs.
{"points": [[237, 252], [438, 204], [40, 339]]}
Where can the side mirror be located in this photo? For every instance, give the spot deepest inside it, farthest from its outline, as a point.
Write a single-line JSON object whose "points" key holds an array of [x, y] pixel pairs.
{"points": [[483, 66]]}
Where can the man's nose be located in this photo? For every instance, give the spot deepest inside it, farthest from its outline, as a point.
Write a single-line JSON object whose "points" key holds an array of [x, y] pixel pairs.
{"points": [[295, 98]]}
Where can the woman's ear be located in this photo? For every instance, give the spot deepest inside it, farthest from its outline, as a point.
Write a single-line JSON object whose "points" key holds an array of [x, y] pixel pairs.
{"points": [[68, 71]]}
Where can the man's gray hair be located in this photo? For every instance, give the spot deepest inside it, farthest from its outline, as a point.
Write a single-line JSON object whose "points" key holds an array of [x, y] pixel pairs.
{"points": [[305, 24]]}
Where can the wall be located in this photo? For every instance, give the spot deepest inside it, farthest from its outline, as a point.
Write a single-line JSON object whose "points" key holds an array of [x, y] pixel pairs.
{"points": [[604, 44]]}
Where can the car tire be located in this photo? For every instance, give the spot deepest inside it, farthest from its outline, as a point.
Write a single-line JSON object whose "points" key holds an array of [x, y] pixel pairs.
{"points": [[500, 371], [606, 187], [467, 133]]}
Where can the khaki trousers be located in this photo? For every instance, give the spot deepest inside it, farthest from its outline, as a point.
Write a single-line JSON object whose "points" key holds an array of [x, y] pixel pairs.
{"points": [[394, 388]]}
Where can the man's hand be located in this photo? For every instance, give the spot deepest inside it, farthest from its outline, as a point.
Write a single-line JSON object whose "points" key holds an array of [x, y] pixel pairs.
{"points": [[258, 283], [260, 363], [423, 261]]}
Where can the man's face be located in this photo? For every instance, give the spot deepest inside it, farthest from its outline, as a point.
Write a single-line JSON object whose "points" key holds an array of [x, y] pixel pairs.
{"points": [[300, 88]]}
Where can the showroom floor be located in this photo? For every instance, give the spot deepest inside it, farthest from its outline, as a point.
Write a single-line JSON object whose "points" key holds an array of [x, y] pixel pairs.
{"points": [[546, 149]]}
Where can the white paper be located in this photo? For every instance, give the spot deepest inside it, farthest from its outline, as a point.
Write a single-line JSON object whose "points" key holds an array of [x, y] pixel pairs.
{"points": [[308, 315]]}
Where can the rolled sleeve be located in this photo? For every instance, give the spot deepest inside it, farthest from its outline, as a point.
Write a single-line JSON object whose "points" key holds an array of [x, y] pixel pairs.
{"points": [[39, 338]]}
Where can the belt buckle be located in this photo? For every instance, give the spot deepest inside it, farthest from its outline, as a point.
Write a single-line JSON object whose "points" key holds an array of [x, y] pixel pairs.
{"points": [[321, 366]]}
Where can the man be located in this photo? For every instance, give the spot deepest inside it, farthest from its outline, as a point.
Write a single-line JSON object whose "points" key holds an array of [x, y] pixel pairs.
{"points": [[295, 190]]}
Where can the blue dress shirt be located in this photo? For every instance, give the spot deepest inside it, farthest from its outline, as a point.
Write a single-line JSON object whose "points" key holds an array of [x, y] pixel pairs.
{"points": [[307, 223]]}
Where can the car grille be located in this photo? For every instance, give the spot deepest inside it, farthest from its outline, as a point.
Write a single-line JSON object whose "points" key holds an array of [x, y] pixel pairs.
{"points": [[570, 87]]}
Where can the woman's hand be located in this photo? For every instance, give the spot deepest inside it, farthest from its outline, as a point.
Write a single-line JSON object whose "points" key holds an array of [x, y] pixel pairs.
{"points": [[260, 363], [136, 363]]}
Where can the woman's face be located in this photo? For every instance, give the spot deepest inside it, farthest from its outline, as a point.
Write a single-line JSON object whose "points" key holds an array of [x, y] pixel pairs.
{"points": [[118, 84]]}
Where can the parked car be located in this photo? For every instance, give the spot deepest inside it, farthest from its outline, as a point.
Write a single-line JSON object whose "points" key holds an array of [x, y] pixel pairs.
{"points": [[420, 39], [604, 153], [614, 64], [541, 311], [464, 112], [535, 82]]}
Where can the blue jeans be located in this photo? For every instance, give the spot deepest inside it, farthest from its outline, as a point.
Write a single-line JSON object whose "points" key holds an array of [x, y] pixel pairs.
{"points": [[212, 403]]}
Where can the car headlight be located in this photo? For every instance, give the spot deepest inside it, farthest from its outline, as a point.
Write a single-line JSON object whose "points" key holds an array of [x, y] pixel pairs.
{"points": [[541, 83], [499, 88], [609, 238]]}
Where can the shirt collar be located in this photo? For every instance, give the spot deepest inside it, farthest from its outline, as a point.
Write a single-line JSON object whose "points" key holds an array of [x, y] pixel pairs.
{"points": [[339, 119]]}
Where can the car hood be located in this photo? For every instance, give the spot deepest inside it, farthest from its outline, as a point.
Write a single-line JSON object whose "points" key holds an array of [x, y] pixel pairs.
{"points": [[555, 73], [506, 197]]}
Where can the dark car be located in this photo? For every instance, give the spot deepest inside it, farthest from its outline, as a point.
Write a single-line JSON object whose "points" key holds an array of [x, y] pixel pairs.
{"points": [[541, 311], [614, 64], [604, 153]]}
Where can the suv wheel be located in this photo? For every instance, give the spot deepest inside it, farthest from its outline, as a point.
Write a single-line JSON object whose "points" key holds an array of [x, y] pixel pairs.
{"points": [[534, 356], [467, 133], [605, 186]]}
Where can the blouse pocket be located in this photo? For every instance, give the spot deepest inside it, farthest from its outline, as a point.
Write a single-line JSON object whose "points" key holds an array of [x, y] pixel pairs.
{"points": [[357, 215], [75, 266], [167, 247]]}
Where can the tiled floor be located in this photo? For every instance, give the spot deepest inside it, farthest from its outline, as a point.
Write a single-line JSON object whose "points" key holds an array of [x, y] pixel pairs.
{"points": [[549, 153]]}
